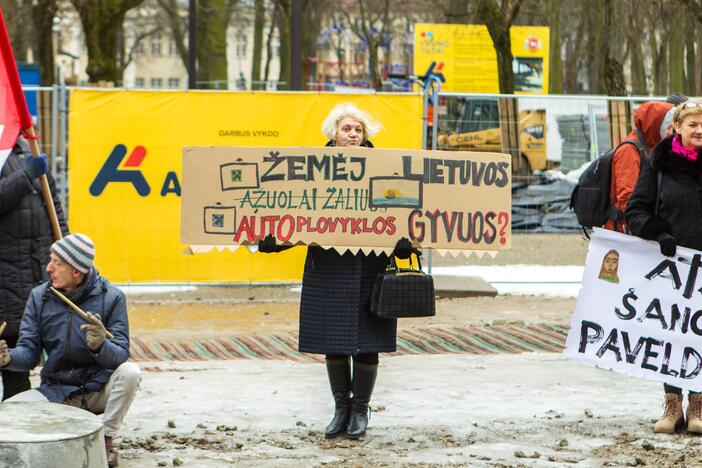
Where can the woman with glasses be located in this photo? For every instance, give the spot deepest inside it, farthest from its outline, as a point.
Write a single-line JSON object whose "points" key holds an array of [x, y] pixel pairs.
{"points": [[677, 221]]}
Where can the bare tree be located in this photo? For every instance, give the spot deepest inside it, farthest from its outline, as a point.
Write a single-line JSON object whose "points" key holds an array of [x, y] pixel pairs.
{"points": [[102, 22], [555, 79], [177, 19], [259, 24], [213, 17], [269, 45], [370, 22], [499, 17], [145, 22]]}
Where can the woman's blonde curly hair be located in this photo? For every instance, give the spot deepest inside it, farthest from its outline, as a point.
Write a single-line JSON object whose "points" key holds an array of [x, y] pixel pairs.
{"points": [[346, 109], [684, 109]]}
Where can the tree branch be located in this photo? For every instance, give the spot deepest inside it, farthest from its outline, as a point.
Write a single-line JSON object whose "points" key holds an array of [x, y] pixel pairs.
{"points": [[515, 11]]}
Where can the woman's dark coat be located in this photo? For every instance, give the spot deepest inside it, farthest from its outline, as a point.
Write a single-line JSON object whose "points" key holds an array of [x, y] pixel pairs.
{"points": [[25, 237], [335, 313], [680, 201]]}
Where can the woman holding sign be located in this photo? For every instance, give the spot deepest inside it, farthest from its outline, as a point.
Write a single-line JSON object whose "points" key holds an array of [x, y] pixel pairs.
{"points": [[666, 206], [335, 318]]}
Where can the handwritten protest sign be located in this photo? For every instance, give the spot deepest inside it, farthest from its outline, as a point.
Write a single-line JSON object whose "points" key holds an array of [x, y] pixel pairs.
{"points": [[638, 312], [346, 198]]}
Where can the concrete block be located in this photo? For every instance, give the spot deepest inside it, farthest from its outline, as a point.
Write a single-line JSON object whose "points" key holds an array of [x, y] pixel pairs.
{"points": [[36, 434]]}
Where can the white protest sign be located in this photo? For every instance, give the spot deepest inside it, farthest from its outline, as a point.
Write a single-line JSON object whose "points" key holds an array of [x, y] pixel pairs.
{"points": [[639, 312]]}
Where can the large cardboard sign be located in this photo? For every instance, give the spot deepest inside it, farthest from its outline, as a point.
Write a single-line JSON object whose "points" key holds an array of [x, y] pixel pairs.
{"points": [[638, 312], [124, 170], [346, 198], [465, 55]]}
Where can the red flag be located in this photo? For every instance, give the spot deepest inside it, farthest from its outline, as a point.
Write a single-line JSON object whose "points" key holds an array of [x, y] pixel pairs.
{"points": [[14, 115]]}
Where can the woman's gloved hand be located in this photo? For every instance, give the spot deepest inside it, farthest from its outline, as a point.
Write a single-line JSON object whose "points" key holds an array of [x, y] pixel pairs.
{"points": [[268, 245], [36, 167], [667, 244], [403, 249]]}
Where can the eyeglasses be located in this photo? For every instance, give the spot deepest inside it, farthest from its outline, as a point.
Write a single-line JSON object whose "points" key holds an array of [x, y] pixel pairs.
{"points": [[691, 105]]}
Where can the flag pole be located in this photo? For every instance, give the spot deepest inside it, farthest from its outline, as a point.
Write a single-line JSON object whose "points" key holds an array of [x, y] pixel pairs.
{"points": [[44, 183]]}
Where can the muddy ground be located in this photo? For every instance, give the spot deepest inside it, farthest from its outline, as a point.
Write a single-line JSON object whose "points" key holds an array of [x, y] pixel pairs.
{"points": [[530, 409]]}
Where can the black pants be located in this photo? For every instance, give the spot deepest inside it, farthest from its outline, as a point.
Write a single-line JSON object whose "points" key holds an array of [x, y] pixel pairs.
{"points": [[14, 382], [676, 390], [367, 358]]}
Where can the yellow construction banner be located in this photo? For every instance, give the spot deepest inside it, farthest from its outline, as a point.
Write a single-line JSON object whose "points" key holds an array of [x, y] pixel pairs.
{"points": [[124, 173], [465, 55]]}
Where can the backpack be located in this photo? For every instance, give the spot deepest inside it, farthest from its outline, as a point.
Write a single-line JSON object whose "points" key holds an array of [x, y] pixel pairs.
{"points": [[590, 198]]}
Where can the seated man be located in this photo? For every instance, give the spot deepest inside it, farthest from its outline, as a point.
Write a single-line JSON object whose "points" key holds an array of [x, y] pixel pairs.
{"points": [[83, 368]]}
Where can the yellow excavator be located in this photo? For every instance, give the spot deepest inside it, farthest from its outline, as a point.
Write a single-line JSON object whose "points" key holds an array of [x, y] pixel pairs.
{"points": [[474, 125]]}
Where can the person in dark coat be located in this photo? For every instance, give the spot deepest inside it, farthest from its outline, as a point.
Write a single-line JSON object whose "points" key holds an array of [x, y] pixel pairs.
{"points": [[84, 367], [335, 318], [25, 238], [678, 221]]}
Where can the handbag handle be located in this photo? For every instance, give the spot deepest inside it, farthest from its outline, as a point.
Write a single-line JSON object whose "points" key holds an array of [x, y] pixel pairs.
{"points": [[393, 264]]}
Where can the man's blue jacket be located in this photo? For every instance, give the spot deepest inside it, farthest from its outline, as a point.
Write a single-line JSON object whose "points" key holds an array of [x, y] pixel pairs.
{"points": [[50, 324]]}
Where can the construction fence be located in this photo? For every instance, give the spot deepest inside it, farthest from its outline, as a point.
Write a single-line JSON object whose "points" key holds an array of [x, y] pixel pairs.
{"points": [[97, 137]]}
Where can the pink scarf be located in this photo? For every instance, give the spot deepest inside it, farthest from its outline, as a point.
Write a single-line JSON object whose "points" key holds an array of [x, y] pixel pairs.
{"points": [[687, 153]]}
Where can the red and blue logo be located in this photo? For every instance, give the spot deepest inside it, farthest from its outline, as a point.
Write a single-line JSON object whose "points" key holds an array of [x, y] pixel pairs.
{"points": [[110, 171], [130, 173]]}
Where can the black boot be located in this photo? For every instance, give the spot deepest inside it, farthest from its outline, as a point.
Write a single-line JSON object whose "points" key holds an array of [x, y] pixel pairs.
{"points": [[339, 372], [362, 387]]}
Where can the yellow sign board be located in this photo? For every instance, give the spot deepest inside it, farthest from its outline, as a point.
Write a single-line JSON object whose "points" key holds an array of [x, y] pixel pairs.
{"points": [[124, 173], [465, 55]]}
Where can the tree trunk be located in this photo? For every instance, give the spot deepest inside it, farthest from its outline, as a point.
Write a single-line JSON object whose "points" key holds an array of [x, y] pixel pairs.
{"points": [[177, 27], [613, 72], [375, 77], [574, 48], [312, 18], [16, 14], [211, 44], [677, 52], [634, 39], [690, 67], [269, 46], [655, 52], [498, 27], [457, 12], [259, 20], [555, 79], [596, 51], [43, 13], [102, 21], [284, 10]]}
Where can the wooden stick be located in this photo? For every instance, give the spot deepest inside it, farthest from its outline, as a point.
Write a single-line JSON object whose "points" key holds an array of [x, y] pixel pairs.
{"points": [[2, 327], [45, 189], [79, 310]]}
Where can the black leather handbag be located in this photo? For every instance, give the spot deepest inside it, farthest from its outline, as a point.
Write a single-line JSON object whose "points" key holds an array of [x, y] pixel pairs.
{"points": [[403, 292]]}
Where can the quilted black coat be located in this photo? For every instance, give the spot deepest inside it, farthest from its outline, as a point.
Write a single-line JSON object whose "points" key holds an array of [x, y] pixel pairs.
{"points": [[335, 313], [680, 202], [25, 238]]}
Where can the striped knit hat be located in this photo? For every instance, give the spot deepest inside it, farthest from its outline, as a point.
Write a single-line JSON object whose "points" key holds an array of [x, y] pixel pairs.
{"points": [[77, 250]]}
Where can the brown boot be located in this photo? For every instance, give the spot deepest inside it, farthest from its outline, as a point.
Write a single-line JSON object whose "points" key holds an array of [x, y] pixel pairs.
{"points": [[111, 454], [672, 419], [694, 413]]}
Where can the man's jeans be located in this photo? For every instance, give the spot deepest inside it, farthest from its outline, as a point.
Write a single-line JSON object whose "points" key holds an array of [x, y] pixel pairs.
{"points": [[113, 400]]}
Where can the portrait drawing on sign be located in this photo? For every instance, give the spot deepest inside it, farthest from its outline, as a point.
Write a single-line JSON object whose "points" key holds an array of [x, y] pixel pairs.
{"points": [[610, 266]]}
